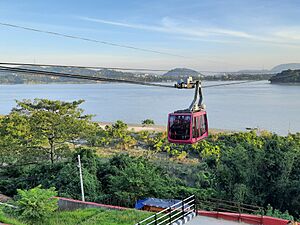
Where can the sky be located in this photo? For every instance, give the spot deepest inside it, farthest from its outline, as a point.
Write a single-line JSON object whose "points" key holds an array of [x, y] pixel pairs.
{"points": [[217, 35]]}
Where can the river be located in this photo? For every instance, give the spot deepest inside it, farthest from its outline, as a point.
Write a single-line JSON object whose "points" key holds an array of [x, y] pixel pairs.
{"points": [[260, 104]]}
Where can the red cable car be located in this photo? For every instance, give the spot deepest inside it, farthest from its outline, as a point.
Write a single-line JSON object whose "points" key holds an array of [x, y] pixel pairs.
{"points": [[190, 125]]}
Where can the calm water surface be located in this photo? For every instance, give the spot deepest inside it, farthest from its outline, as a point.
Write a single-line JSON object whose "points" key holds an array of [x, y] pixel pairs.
{"points": [[260, 104]]}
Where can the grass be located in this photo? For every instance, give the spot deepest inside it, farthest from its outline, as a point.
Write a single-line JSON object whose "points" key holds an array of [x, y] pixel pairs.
{"points": [[91, 216], [9, 220]]}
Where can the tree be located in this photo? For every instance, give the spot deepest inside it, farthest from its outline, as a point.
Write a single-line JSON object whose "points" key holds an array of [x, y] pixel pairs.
{"points": [[125, 177], [15, 138], [46, 126], [148, 122], [118, 135]]}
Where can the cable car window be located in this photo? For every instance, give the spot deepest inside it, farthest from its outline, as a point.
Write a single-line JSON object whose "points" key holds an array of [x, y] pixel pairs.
{"points": [[180, 127], [195, 131], [198, 127], [203, 125]]}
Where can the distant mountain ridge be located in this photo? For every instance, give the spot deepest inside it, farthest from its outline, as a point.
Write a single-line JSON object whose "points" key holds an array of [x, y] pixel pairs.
{"points": [[180, 72], [177, 72], [276, 69], [287, 66]]}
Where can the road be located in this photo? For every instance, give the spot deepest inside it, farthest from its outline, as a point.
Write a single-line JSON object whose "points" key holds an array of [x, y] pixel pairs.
{"points": [[199, 220]]}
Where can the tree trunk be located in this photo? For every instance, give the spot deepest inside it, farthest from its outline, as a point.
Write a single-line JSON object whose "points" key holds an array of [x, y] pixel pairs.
{"points": [[52, 149]]}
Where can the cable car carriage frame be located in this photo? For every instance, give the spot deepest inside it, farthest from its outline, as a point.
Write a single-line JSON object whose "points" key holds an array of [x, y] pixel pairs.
{"points": [[190, 125]]}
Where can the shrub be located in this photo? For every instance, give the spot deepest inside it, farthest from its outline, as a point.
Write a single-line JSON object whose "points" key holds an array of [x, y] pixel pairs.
{"points": [[276, 213], [36, 204], [148, 122]]}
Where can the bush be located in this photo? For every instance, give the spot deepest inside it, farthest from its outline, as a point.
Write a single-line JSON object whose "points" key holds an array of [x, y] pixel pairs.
{"points": [[36, 204], [276, 213], [148, 122]]}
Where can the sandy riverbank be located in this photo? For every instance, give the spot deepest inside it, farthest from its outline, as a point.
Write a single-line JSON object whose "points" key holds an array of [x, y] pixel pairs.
{"points": [[157, 128]]}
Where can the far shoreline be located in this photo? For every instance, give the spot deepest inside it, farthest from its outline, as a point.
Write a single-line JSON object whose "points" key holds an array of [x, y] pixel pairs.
{"points": [[160, 128]]}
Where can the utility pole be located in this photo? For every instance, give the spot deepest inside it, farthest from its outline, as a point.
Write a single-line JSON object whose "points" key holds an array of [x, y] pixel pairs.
{"points": [[81, 180]]}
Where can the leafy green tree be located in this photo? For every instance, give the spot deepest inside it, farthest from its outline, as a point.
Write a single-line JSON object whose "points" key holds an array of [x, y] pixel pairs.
{"points": [[125, 177], [46, 126], [148, 122], [64, 176], [36, 204], [119, 136], [15, 139]]}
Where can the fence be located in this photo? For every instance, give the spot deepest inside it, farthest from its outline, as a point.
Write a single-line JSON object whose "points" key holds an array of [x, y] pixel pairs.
{"points": [[172, 214], [239, 209]]}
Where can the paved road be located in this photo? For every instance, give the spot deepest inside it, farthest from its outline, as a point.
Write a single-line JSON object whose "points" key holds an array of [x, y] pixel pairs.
{"points": [[199, 220]]}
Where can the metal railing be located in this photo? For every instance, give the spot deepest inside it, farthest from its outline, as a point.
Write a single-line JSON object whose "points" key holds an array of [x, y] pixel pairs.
{"points": [[218, 205], [172, 214]]}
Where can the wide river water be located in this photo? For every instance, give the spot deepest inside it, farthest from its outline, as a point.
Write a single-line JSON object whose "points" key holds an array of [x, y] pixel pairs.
{"points": [[260, 104]]}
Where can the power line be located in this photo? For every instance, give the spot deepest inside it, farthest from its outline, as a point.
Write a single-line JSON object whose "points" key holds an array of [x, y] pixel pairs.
{"points": [[81, 67], [88, 39], [104, 79], [228, 84]]}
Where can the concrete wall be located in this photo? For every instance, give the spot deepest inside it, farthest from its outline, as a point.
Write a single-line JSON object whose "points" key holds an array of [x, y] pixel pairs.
{"points": [[71, 204]]}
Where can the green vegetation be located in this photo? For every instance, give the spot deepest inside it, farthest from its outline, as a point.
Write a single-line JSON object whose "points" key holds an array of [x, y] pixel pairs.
{"points": [[148, 122], [121, 166], [98, 216], [8, 219], [35, 204], [90, 216], [42, 128], [286, 76], [276, 213]]}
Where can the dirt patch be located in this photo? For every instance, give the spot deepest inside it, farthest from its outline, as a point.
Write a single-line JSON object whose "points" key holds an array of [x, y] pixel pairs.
{"points": [[4, 198]]}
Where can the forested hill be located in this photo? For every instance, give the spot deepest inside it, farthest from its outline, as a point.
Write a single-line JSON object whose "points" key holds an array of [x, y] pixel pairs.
{"points": [[286, 76], [177, 72], [19, 78]]}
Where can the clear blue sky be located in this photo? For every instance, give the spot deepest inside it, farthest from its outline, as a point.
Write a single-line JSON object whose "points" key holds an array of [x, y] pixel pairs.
{"points": [[211, 34]]}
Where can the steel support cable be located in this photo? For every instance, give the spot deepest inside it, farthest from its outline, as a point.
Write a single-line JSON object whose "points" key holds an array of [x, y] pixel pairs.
{"points": [[228, 84], [88, 39]]}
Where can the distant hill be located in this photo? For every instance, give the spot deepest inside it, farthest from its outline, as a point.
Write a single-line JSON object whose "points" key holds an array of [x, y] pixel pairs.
{"points": [[19, 78], [275, 69], [288, 66], [286, 76], [182, 72]]}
